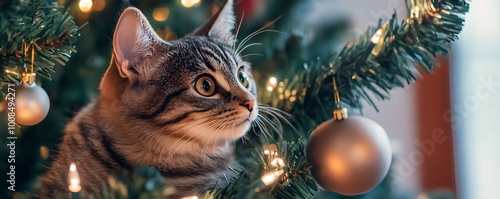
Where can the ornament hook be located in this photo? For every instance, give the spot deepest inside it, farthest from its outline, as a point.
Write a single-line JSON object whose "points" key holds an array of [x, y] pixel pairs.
{"points": [[29, 77], [340, 112]]}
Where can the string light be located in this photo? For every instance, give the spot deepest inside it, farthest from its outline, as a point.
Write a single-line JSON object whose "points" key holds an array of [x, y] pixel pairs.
{"points": [[271, 177], [12, 72], [278, 162], [190, 3], [415, 12], [376, 37], [85, 5], [270, 148], [190, 197], [161, 14], [271, 84], [273, 80], [74, 179]]}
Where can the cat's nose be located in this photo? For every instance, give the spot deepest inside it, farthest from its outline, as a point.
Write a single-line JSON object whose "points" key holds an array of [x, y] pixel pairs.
{"points": [[248, 104]]}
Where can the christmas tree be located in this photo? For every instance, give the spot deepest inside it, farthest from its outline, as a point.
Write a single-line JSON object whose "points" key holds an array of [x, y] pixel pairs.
{"points": [[42, 36]]}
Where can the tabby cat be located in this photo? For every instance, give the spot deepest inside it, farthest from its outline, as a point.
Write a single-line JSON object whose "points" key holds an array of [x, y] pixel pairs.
{"points": [[177, 106]]}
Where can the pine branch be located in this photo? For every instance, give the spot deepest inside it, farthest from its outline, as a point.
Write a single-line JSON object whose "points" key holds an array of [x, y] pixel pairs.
{"points": [[44, 27], [364, 66]]}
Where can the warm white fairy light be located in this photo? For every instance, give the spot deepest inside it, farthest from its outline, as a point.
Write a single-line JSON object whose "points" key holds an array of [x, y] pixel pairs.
{"points": [[85, 5], [415, 12], [271, 177], [190, 197], [190, 3], [278, 162], [271, 84], [74, 179], [273, 80], [376, 37], [267, 152]]}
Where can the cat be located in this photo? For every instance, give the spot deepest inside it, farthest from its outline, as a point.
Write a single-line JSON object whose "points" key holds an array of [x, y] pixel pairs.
{"points": [[177, 106]]}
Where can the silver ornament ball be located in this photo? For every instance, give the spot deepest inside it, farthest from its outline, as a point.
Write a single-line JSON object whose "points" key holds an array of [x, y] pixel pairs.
{"points": [[349, 156], [32, 104]]}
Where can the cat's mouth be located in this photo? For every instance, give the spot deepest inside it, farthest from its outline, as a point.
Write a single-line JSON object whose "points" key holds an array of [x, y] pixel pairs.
{"points": [[246, 121]]}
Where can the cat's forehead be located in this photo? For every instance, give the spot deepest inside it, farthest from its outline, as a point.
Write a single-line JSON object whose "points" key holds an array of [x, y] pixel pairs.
{"points": [[200, 53], [197, 42]]}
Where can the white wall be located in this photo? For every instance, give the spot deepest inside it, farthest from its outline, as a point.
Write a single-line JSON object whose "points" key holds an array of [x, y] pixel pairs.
{"points": [[476, 99]]}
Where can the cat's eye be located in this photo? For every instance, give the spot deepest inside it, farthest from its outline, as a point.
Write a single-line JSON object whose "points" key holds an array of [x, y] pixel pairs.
{"points": [[243, 77], [205, 85]]}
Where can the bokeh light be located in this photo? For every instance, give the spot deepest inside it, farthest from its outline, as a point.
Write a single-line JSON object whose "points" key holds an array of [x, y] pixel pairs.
{"points": [[85, 5], [99, 5], [190, 3], [161, 14]]}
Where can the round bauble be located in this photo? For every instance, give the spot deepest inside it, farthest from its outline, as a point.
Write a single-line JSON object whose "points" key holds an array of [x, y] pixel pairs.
{"points": [[32, 104], [349, 156]]}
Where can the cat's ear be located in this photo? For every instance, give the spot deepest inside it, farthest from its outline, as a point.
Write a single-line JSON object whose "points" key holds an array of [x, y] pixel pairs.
{"points": [[221, 25], [133, 41]]}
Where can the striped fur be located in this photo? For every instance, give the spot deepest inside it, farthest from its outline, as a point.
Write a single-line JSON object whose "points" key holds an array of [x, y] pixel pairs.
{"points": [[152, 115]]}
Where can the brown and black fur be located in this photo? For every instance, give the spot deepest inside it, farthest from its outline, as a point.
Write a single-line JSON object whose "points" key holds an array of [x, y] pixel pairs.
{"points": [[148, 113]]}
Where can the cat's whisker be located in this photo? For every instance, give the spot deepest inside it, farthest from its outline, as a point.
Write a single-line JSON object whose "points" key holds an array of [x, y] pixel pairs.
{"points": [[217, 131], [248, 46], [185, 135], [260, 30], [264, 128], [190, 139], [279, 114], [252, 54], [247, 38], [193, 137], [238, 31], [270, 123]]}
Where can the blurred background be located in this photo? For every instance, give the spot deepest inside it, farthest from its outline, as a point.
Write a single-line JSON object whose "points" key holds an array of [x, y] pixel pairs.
{"points": [[444, 129]]}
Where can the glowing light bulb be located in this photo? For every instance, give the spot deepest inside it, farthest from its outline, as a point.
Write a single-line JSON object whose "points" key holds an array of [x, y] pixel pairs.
{"points": [[273, 80], [74, 179], [278, 162], [271, 177], [415, 12], [190, 197], [376, 37], [190, 3], [85, 5], [271, 84]]}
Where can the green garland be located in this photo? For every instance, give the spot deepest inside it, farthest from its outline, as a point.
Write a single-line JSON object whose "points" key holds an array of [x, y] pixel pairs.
{"points": [[42, 25]]}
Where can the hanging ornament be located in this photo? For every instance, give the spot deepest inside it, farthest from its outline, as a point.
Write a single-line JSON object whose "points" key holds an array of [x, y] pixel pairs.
{"points": [[349, 155], [31, 101]]}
